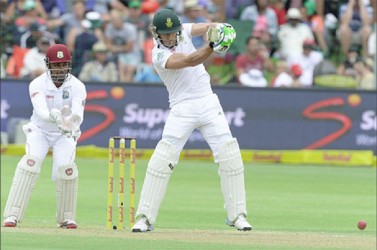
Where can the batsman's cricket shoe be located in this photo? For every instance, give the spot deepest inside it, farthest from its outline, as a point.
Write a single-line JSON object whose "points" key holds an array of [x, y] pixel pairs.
{"points": [[240, 223], [142, 225], [68, 224], [11, 221]]}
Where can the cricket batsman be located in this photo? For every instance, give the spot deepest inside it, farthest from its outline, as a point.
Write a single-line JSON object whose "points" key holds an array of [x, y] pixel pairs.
{"points": [[58, 100], [193, 105]]}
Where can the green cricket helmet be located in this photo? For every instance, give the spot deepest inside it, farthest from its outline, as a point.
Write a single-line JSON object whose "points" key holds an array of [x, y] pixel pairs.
{"points": [[166, 21]]}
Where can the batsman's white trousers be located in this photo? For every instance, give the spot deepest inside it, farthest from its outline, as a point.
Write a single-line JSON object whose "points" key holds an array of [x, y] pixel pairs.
{"points": [[205, 114], [38, 142]]}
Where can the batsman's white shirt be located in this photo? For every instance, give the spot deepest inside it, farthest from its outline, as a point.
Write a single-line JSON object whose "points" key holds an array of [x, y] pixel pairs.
{"points": [[41, 134], [182, 84], [192, 101]]}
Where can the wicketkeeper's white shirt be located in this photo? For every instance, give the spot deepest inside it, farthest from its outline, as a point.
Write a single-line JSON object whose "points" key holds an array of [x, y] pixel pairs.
{"points": [[45, 96], [182, 84]]}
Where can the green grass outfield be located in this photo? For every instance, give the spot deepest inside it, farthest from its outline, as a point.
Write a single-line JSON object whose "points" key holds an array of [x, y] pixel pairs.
{"points": [[290, 207]]}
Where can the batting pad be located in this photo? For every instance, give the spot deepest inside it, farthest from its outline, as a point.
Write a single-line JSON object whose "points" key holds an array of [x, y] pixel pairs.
{"points": [[24, 180], [231, 172], [160, 168], [66, 192]]}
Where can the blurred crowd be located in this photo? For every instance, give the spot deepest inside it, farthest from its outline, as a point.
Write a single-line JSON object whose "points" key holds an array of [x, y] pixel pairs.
{"points": [[280, 43]]}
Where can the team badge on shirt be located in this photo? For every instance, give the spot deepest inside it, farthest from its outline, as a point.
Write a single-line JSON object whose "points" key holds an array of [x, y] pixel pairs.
{"points": [[65, 94], [160, 56]]}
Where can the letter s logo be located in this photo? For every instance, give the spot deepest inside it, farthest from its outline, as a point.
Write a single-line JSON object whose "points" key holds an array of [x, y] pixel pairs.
{"points": [[107, 112], [312, 112]]}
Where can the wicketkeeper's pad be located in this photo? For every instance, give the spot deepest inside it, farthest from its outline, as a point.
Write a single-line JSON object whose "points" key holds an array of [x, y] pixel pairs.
{"points": [[66, 192], [24, 180]]}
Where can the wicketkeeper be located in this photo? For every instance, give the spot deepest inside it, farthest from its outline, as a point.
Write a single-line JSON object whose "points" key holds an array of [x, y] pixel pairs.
{"points": [[193, 105], [58, 100]]}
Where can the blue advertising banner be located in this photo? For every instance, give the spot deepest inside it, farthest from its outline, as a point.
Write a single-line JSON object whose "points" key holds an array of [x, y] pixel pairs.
{"points": [[261, 118]]}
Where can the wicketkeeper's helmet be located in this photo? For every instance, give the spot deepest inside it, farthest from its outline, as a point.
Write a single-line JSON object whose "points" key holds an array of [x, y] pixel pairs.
{"points": [[58, 53], [166, 21]]}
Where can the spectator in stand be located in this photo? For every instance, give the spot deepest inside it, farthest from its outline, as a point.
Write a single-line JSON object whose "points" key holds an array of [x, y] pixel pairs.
{"points": [[260, 31], [261, 15], [175, 5], [326, 7], [328, 10], [212, 13], [147, 74], [137, 17], [15, 9], [150, 7], [372, 39], [233, 8], [29, 39], [296, 72], [103, 7], [281, 13], [53, 8], [179, 6], [307, 60], [372, 45], [122, 40], [251, 62], [3, 60], [64, 24], [140, 20], [316, 23], [193, 14], [6, 32], [364, 74], [283, 76], [253, 78], [5, 48], [287, 76], [292, 35], [101, 69], [34, 64], [9, 11], [346, 68], [80, 41], [356, 20], [30, 15], [3, 10]]}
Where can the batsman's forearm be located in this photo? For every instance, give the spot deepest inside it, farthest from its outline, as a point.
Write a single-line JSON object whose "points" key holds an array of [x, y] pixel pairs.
{"points": [[199, 56], [200, 29]]}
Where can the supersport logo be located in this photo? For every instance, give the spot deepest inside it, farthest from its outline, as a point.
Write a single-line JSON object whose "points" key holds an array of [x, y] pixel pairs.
{"points": [[312, 112], [107, 112]]}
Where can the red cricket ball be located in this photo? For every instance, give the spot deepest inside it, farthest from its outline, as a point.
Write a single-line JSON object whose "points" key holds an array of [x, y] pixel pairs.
{"points": [[361, 225]]}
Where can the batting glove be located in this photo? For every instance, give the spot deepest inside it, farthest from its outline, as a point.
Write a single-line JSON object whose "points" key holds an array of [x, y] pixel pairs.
{"points": [[214, 34], [222, 36]]}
